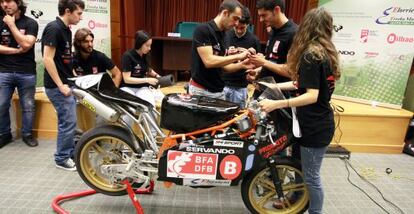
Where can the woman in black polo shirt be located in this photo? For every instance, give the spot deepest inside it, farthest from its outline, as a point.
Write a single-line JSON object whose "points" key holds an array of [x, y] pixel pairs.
{"points": [[313, 65], [137, 75]]}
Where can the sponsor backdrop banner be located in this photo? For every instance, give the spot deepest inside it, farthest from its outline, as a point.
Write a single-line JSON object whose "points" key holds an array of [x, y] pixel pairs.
{"points": [[375, 40], [96, 17]]}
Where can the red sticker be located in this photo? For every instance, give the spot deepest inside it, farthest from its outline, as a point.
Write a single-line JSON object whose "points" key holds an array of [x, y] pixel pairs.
{"points": [[230, 167], [191, 165]]}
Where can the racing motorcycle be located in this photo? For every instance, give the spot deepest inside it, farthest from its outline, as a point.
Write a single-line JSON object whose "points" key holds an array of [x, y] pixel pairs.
{"points": [[194, 141]]}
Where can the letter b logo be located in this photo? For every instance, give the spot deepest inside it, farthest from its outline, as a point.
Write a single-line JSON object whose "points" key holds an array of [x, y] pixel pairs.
{"points": [[230, 167]]}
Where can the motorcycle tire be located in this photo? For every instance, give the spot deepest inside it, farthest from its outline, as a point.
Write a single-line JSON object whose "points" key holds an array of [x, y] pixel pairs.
{"points": [[259, 195], [99, 146]]}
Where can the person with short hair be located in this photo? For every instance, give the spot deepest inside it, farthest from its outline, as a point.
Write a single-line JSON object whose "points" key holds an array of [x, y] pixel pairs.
{"points": [[208, 58], [87, 60], [272, 14], [57, 59], [236, 40], [313, 64], [17, 68]]}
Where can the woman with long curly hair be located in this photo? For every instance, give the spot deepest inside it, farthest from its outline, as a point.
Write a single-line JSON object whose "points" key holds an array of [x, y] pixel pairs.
{"points": [[313, 65]]}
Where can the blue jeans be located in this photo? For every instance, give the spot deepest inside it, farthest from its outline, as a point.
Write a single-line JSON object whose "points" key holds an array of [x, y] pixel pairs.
{"points": [[202, 92], [311, 159], [66, 112], [236, 95], [26, 87]]}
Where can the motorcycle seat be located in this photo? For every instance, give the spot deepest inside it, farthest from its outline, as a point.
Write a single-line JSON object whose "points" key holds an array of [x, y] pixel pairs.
{"points": [[106, 88], [103, 85]]}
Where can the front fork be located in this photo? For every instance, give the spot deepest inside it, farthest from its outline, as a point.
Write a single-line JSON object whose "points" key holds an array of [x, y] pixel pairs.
{"points": [[271, 163]]}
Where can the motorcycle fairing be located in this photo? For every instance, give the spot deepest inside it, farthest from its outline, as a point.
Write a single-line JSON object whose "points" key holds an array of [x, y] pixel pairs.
{"points": [[210, 162]]}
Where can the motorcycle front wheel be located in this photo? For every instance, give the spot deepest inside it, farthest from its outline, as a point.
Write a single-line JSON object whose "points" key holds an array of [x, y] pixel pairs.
{"points": [[103, 146], [259, 194]]}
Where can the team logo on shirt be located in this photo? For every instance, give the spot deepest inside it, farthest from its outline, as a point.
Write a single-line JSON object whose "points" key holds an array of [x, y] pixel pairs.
{"points": [[23, 31], [137, 71], [79, 71], [5, 38], [94, 70], [276, 46], [67, 55], [216, 49]]}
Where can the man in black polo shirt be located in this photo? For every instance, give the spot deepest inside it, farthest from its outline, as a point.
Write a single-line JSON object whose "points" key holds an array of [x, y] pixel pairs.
{"points": [[271, 12], [239, 37], [17, 68], [57, 58], [207, 52], [90, 61]]}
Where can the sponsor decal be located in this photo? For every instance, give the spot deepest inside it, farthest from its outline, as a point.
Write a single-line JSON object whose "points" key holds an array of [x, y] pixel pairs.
{"points": [[205, 182], [228, 143], [397, 56], [392, 38], [210, 150], [96, 6], [249, 162], [270, 149], [371, 54], [93, 24], [191, 165], [348, 53], [230, 167], [338, 28], [36, 13], [88, 105], [364, 35], [396, 16]]}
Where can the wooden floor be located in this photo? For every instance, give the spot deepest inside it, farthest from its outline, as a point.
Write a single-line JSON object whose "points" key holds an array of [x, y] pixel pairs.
{"points": [[360, 128]]}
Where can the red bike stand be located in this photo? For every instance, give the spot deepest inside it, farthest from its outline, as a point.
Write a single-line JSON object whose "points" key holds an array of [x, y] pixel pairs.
{"points": [[131, 193]]}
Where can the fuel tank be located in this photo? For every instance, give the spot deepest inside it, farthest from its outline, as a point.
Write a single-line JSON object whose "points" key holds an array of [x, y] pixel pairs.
{"points": [[183, 113]]}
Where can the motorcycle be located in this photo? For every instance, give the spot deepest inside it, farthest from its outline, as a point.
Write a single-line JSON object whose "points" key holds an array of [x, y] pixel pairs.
{"points": [[211, 143]]}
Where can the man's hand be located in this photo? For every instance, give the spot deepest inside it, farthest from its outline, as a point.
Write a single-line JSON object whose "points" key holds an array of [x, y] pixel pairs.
{"points": [[247, 65], [243, 55], [252, 51], [258, 60], [9, 20], [252, 74], [65, 90]]}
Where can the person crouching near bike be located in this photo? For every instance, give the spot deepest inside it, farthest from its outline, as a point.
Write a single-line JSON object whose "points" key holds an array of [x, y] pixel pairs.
{"points": [[313, 65]]}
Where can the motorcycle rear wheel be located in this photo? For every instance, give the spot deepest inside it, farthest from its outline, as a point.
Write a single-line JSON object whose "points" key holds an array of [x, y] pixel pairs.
{"points": [[259, 194], [102, 145]]}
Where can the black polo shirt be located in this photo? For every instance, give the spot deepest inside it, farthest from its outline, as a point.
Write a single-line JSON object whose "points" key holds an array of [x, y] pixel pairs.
{"points": [[24, 62], [277, 48], [207, 34], [248, 40], [138, 66], [316, 120], [97, 62], [58, 35]]}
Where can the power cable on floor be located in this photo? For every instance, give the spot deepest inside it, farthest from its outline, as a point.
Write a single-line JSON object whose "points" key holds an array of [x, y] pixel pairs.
{"points": [[347, 163], [337, 109]]}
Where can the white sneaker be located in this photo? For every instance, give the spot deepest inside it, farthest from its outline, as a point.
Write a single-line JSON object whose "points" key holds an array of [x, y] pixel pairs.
{"points": [[69, 165]]}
